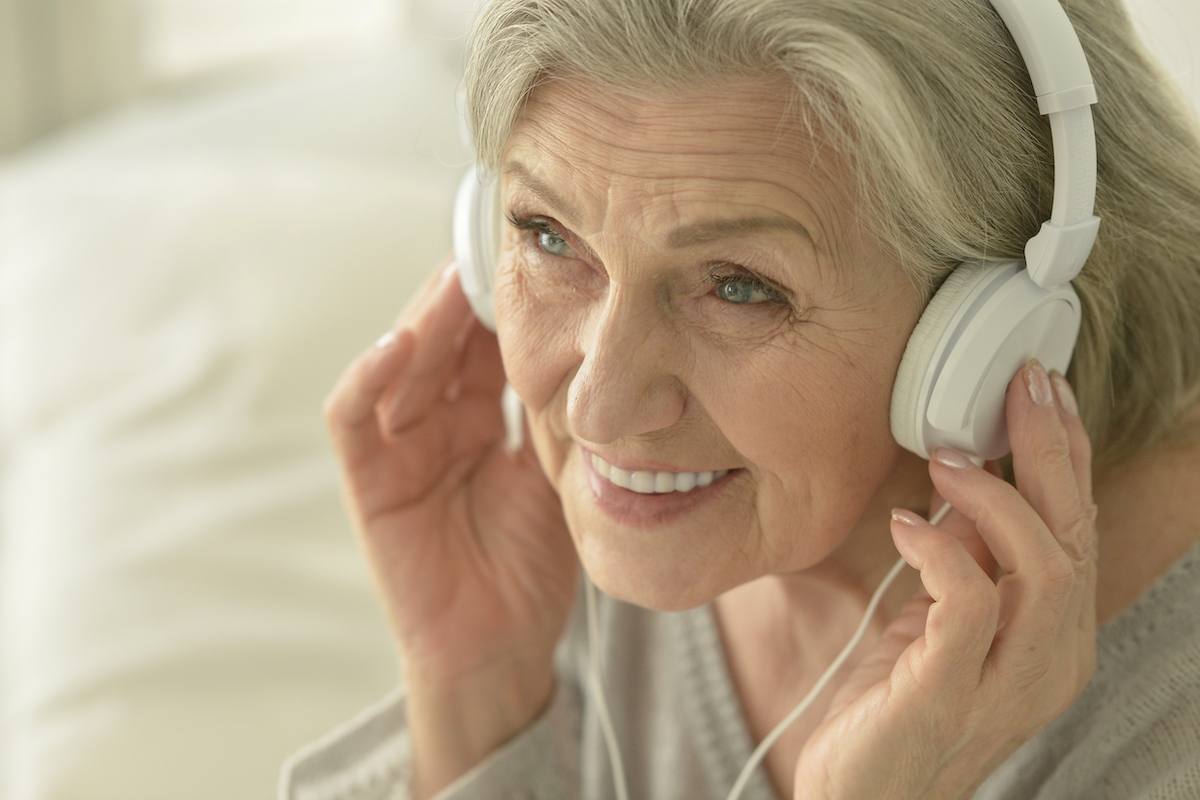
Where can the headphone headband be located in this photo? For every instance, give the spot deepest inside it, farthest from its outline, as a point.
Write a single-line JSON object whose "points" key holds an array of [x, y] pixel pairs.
{"points": [[1062, 81]]}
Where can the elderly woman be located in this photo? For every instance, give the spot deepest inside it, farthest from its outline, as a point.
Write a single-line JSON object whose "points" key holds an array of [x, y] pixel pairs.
{"points": [[724, 220]]}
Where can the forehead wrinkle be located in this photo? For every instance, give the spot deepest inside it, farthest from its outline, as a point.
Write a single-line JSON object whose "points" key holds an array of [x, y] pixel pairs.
{"points": [[628, 138], [642, 116]]}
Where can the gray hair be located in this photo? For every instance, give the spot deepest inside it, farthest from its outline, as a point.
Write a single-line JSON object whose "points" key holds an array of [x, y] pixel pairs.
{"points": [[930, 105]]}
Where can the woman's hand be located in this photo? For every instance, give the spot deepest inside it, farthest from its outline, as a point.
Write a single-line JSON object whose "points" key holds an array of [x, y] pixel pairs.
{"points": [[466, 540], [975, 665]]}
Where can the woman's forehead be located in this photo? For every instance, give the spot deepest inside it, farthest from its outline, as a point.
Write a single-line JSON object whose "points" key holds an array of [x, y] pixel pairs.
{"points": [[731, 143], [717, 117]]}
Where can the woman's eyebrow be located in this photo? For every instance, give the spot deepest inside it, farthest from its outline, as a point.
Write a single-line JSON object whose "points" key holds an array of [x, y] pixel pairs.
{"points": [[561, 208], [703, 232]]}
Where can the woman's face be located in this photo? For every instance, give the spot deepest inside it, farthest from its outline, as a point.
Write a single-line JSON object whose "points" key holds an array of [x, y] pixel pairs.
{"points": [[685, 295]]}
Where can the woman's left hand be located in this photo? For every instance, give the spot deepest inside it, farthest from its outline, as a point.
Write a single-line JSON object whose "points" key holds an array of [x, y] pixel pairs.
{"points": [[975, 665]]}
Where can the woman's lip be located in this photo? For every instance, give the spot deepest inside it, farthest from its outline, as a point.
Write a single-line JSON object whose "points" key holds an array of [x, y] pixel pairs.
{"points": [[637, 510]]}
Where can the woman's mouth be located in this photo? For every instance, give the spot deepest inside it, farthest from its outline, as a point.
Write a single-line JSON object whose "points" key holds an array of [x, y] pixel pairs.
{"points": [[648, 498], [654, 482]]}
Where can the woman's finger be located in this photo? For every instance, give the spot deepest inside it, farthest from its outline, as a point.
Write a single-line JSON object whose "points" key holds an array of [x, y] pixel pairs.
{"points": [[1040, 636], [1047, 507], [1042, 532], [350, 407], [1042, 592], [1081, 455], [1046, 460], [962, 620], [354, 396], [957, 525], [1015, 534], [1081, 446], [441, 326], [1052, 465]]}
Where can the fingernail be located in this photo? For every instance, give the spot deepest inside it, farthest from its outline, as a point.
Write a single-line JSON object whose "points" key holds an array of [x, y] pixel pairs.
{"points": [[1066, 397], [387, 340], [1038, 383], [951, 458], [906, 517]]}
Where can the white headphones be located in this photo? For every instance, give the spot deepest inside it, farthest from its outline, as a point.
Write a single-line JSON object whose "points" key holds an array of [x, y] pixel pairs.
{"points": [[987, 319]]}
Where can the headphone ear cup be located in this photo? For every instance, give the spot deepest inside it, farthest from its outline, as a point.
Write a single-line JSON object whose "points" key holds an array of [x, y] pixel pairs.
{"points": [[985, 322], [477, 243], [907, 420]]}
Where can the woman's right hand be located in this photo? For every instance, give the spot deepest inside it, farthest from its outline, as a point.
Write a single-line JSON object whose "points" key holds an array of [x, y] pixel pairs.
{"points": [[466, 539]]}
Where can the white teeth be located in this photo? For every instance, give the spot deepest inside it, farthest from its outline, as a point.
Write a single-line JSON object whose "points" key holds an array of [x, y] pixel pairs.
{"points": [[642, 482], [619, 476], [648, 482]]}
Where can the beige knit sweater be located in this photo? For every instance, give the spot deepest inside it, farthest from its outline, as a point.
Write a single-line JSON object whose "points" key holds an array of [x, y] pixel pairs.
{"points": [[1134, 733]]}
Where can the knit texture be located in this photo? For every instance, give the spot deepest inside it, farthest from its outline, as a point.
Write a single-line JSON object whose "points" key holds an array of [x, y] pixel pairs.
{"points": [[1133, 734]]}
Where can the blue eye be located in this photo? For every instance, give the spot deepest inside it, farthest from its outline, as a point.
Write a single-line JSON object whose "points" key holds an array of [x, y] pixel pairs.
{"points": [[746, 290], [549, 240], [554, 244]]}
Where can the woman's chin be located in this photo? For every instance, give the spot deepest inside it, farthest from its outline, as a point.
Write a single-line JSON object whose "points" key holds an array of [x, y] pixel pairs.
{"points": [[656, 587], [659, 570], [667, 552]]}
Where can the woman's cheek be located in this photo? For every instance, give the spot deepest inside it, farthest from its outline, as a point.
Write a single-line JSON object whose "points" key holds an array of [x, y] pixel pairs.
{"points": [[537, 325]]}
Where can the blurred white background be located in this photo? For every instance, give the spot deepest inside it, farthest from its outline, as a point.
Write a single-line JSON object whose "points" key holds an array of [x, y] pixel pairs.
{"points": [[183, 38], [1171, 30], [63, 60], [207, 208]]}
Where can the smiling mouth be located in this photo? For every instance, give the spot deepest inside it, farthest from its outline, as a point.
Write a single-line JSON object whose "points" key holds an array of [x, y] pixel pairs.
{"points": [[651, 482]]}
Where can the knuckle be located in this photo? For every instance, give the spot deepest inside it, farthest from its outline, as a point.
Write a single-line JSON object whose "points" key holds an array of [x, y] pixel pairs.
{"points": [[1031, 678], [1047, 585], [1053, 449], [1078, 535], [984, 510], [1057, 575], [983, 612], [1085, 541]]}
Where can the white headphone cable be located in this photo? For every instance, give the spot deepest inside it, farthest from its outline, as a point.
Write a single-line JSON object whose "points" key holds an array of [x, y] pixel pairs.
{"points": [[597, 684], [760, 752]]}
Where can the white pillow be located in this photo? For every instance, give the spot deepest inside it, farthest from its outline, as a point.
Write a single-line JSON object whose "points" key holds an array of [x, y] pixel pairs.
{"points": [[183, 603]]}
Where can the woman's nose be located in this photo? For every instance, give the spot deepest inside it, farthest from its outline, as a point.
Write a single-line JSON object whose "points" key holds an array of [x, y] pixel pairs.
{"points": [[625, 385]]}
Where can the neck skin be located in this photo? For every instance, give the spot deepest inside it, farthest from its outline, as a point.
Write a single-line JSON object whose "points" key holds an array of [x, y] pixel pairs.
{"points": [[1149, 518], [780, 632]]}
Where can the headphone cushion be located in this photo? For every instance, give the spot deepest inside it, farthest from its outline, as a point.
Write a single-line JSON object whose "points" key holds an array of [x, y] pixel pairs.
{"points": [[922, 344]]}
